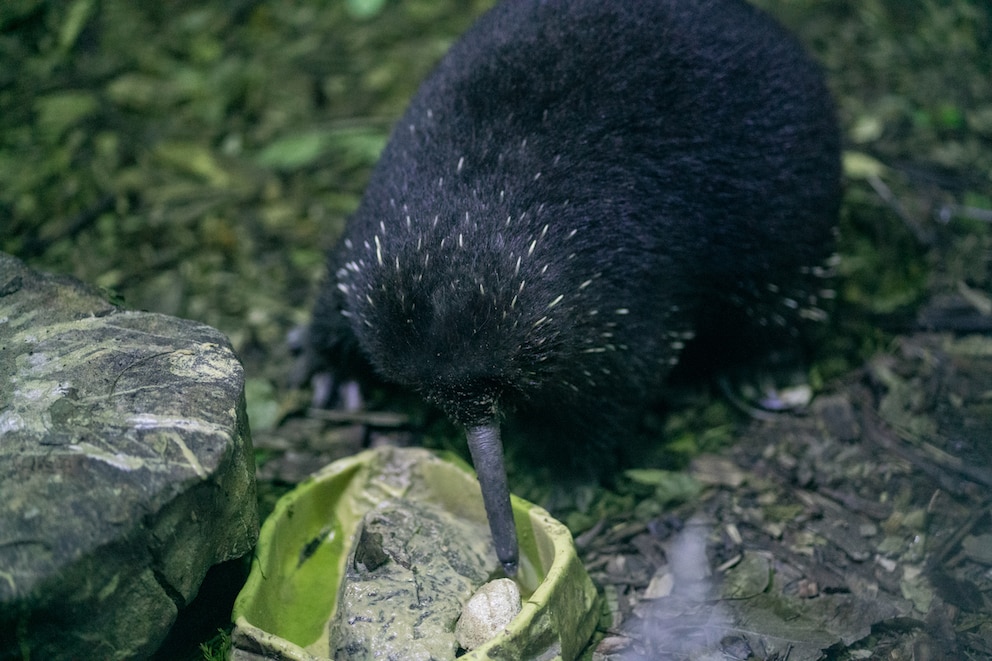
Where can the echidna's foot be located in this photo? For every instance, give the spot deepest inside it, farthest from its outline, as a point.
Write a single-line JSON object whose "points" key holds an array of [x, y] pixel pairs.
{"points": [[767, 391]]}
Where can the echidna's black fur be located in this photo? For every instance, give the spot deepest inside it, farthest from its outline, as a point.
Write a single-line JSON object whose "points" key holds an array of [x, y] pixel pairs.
{"points": [[574, 190]]}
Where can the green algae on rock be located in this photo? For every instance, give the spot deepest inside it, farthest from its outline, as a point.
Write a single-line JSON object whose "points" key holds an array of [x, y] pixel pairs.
{"points": [[409, 575], [126, 469]]}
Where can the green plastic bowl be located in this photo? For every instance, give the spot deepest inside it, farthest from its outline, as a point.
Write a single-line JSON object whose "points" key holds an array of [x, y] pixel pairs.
{"points": [[284, 609]]}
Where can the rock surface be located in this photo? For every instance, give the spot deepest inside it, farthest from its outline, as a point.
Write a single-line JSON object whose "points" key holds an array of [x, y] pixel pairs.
{"points": [[487, 612], [407, 579], [126, 469]]}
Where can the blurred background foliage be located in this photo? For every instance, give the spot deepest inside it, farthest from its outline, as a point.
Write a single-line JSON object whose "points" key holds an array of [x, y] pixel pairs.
{"points": [[196, 158]]}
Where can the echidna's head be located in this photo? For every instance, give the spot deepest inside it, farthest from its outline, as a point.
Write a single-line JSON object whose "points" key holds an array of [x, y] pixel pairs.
{"points": [[457, 315]]}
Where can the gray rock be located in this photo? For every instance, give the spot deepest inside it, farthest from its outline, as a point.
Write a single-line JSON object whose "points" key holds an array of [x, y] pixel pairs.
{"points": [[126, 469], [408, 577]]}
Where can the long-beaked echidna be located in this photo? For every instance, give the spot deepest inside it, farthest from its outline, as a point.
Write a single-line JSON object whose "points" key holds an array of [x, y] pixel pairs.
{"points": [[572, 193]]}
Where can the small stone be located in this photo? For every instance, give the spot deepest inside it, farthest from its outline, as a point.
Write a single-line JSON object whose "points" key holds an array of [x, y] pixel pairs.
{"points": [[487, 612]]}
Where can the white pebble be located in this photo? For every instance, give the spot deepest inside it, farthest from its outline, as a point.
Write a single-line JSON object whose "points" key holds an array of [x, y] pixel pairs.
{"points": [[487, 612]]}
